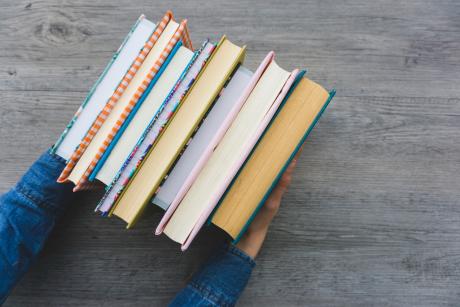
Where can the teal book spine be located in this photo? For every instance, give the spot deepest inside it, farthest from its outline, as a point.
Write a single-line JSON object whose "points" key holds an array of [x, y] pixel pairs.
{"points": [[133, 112]]}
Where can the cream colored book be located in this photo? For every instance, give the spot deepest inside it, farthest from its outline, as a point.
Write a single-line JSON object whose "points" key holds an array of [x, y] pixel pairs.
{"points": [[144, 115], [164, 152], [223, 163], [92, 149]]}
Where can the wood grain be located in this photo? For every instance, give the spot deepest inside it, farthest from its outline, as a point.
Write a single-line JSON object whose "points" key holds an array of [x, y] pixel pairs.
{"points": [[373, 215]]}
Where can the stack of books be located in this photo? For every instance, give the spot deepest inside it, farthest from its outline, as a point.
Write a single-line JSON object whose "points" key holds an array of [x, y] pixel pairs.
{"points": [[191, 131]]}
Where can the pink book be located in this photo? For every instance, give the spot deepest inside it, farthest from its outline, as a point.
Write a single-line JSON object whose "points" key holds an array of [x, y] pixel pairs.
{"points": [[216, 139], [247, 150]]}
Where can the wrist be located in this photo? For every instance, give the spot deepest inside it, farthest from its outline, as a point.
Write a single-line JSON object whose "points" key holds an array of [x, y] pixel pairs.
{"points": [[252, 241]]}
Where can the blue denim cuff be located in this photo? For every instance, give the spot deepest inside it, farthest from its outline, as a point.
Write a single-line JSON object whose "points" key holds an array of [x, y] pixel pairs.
{"points": [[39, 183], [224, 277], [232, 249]]}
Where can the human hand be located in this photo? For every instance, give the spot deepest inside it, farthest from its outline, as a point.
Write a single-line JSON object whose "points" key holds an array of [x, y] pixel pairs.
{"points": [[252, 240]]}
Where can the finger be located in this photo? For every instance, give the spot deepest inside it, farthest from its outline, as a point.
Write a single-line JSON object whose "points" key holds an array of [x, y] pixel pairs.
{"points": [[286, 178]]}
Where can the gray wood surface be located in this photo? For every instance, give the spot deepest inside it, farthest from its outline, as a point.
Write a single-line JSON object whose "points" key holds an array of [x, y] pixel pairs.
{"points": [[373, 215]]}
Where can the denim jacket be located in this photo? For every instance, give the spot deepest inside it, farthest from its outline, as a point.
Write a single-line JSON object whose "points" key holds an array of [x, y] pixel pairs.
{"points": [[29, 211]]}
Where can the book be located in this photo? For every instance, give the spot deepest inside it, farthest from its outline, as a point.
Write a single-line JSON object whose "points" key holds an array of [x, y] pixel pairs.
{"points": [[122, 86], [203, 140], [160, 158], [229, 155], [275, 150], [147, 110], [155, 128], [204, 157], [103, 88]]}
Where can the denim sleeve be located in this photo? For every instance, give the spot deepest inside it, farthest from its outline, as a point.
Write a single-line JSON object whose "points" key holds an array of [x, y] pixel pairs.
{"points": [[28, 213], [220, 282]]}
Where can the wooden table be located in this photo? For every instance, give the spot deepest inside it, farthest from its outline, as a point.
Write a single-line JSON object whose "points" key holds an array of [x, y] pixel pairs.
{"points": [[373, 214]]}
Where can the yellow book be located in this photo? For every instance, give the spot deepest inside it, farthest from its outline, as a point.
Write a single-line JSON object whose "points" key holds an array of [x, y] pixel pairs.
{"points": [[196, 103], [270, 157]]}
